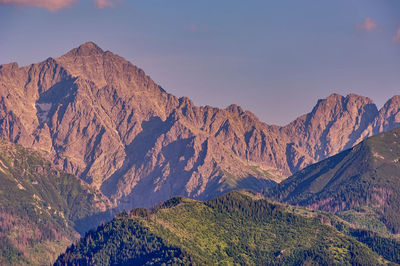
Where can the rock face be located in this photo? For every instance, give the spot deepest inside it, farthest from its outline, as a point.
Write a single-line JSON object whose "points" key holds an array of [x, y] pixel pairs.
{"points": [[335, 124], [388, 118], [101, 118]]}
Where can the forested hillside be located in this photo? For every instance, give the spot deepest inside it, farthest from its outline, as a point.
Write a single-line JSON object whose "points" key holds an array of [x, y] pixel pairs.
{"points": [[42, 209], [236, 228]]}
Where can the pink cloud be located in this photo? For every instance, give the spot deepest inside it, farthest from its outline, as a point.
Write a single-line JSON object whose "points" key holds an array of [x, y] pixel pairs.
{"points": [[368, 25], [52, 5], [396, 38], [193, 27], [197, 28], [106, 3]]}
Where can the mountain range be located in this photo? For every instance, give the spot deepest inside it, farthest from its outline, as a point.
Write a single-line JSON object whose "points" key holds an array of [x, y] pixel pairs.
{"points": [[99, 117], [88, 132]]}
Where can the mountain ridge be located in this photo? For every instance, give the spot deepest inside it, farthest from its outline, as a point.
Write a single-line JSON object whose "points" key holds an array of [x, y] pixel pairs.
{"points": [[98, 116]]}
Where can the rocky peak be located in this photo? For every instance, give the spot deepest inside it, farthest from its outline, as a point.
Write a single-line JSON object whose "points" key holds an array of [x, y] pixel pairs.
{"points": [[354, 102], [185, 101], [334, 97], [329, 105], [389, 116], [10, 66], [8, 72], [90, 62], [335, 104], [392, 105], [334, 124], [356, 97], [86, 49], [236, 109]]}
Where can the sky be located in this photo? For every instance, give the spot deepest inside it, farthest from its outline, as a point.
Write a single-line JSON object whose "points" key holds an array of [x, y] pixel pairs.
{"points": [[274, 58]]}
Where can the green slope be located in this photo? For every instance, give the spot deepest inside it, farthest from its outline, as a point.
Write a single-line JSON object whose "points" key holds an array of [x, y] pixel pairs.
{"points": [[236, 228], [362, 185], [41, 208]]}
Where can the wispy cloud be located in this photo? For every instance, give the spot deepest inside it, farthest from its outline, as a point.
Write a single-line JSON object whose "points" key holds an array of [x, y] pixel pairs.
{"points": [[396, 38], [368, 25], [197, 28], [106, 3], [192, 27], [52, 5]]}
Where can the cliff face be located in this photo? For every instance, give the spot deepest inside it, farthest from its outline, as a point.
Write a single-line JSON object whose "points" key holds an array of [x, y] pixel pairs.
{"points": [[335, 124], [100, 117], [388, 118]]}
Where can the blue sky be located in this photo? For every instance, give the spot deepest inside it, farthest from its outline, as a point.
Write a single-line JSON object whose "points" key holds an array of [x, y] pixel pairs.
{"points": [[274, 58]]}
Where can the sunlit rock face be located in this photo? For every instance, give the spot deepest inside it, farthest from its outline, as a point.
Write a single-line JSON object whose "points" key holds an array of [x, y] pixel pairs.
{"points": [[98, 116]]}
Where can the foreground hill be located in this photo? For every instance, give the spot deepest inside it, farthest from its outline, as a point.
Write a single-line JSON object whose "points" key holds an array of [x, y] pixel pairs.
{"points": [[42, 210], [101, 118], [236, 228], [361, 184]]}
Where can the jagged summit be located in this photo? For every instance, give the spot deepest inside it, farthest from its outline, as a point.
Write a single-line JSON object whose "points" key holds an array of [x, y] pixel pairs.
{"points": [[86, 49], [91, 63], [234, 108], [333, 96], [357, 96], [336, 98], [12, 65]]}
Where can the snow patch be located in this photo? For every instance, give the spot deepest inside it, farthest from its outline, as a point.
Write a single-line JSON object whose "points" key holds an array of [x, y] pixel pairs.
{"points": [[43, 110], [377, 155]]}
